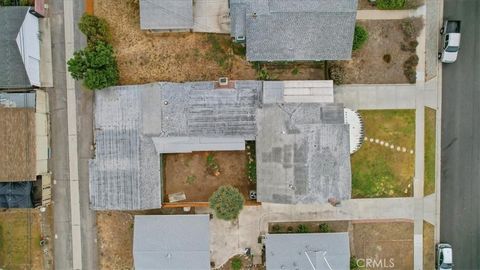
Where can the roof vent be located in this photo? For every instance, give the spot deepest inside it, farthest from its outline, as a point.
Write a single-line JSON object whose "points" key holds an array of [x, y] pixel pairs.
{"points": [[223, 81]]}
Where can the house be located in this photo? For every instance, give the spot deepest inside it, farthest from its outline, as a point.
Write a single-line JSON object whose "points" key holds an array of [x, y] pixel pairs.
{"points": [[273, 30], [19, 48], [24, 176], [319, 251], [171, 242], [294, 30], [306, 143]]}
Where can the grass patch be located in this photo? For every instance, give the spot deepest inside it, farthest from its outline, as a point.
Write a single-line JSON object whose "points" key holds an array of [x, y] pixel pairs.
{"points": [[377, 170], [430, 135], [19, 241]]}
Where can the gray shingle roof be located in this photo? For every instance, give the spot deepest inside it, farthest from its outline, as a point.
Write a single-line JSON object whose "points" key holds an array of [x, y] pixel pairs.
{"points": [[171, 242], [302, 149], [302, 153], [300, 251], [288, 30], [12, 69], [166, 14]]}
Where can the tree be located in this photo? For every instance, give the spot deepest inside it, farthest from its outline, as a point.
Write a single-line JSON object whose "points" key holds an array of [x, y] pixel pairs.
{"points": [[96, 29], [359, 37], [96, 65], [227, 202]]}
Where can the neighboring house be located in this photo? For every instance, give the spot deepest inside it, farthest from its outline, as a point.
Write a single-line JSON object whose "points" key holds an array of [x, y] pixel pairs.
{"points": [[294, 30], [307, 142], [307, 251], [19, 48], [171, 242], [273, 30], [24, 177]]}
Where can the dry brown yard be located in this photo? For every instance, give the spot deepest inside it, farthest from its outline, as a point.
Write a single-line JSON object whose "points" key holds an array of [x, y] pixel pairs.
{"points": [[390, 242], [188, 173], [370, 64], [145, 57]]}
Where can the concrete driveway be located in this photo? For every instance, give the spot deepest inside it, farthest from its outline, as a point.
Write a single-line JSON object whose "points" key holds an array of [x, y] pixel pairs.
{"points": [[211, 16]]}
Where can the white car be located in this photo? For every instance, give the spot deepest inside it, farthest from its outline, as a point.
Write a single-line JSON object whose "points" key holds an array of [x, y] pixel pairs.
{"points": [[451, 41], [444, 259]]}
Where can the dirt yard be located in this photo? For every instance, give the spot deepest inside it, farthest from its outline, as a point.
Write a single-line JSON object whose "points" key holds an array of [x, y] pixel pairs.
{"points": [[388, 243], [378, 170], [189, 173], [20, 239], [178, 57], [115, 240], [428, 246], [115, 236], [381, 59]]}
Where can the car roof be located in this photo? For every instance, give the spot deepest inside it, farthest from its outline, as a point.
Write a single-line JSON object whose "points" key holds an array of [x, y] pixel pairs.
{"points": [[447, 254]]}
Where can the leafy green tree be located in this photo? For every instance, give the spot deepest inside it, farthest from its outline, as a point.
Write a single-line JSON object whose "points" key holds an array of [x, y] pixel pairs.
{"points": [[359, 37], [227, 202], [95, 28], [96, 65]]}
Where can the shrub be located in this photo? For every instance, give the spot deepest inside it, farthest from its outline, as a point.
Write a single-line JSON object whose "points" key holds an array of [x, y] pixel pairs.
{"points": [[251, 162], [410, 47], [96, 65], [212, 166], [387, 58], [302, 228], [390, 4], [6, 2], [236, 264], [263, 75], [337, 74], [276, 228], [226, 202], [354, 263], [289, 229], [411, 27], [95, 28], [409, 68], [324, 228], [360, 36]]}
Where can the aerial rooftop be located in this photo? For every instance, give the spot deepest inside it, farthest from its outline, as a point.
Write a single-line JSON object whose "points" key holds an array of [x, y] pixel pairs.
{"points": [[307, 143]]}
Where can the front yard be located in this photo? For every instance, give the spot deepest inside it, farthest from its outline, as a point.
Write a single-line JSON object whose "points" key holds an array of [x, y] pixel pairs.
{"points": [[388, 243], [382, 60], [199, 174], [378, 170]]}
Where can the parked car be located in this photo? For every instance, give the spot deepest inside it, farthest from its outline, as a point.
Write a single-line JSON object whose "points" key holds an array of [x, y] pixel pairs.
{"points": [[450, 32], [444, 257]]}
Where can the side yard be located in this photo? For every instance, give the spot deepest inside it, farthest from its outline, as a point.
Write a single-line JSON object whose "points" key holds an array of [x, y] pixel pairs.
{"points": [[384, 165], [20, 239], [428, 246]]}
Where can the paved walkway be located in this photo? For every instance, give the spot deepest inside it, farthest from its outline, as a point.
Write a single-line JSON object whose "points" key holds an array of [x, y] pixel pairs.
{"points": [[230, 238]]}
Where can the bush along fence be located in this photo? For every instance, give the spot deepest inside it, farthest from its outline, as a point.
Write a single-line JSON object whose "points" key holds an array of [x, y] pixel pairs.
{"points": [[96, 64]]}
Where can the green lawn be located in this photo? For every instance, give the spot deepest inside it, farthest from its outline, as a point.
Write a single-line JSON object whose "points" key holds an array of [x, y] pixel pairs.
{"points": [[19, 241], [377, 170], [430, 134]]}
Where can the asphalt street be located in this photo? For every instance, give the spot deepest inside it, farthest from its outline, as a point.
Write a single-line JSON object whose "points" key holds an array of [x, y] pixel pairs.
{"points": [[460, 190], [59, 161]]}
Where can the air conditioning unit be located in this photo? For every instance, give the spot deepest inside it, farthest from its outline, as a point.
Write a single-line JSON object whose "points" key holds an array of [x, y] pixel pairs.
{"points": [[223, 81], [253, 195]]}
